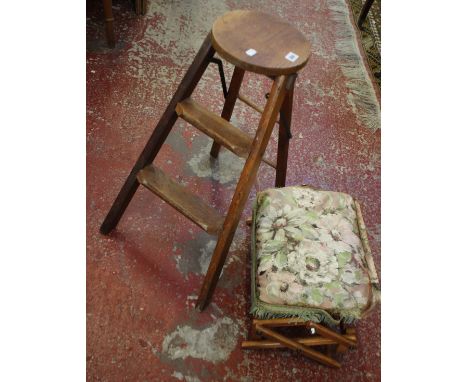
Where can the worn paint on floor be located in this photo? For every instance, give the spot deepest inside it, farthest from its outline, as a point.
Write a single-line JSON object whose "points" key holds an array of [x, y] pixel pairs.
{"points": [[143, 279]]}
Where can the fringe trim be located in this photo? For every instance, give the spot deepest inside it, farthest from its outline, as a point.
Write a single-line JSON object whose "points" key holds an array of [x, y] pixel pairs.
{"points": [[361, 95]]}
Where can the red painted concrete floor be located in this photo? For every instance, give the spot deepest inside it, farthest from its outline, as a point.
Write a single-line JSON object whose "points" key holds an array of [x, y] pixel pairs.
{"points": [[143, 279]]}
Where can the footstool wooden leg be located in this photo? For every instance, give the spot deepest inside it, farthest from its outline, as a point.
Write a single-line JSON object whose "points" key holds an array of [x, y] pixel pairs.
{"points": [[340, 339], [321, 336], [294, 345], [349, 332]]}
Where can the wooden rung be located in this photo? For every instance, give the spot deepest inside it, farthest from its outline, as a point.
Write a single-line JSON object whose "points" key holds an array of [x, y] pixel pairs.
{"points": [[217, 128], [307, 341], [181, 199], [293, 345], [295, 321], [252, 104], [331, 334]]}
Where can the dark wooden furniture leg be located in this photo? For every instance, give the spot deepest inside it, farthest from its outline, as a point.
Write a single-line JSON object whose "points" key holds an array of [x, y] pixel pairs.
{"points": [[138, 7], [247, 178], [364, 11], [346, 332], [229, 103], [283, 139], [109, 23], [159, 135], [141, 6], [144, 7]]}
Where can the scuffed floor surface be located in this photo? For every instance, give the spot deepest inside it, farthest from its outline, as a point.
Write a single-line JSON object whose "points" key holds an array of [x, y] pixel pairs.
{"points": [[143, 279]]}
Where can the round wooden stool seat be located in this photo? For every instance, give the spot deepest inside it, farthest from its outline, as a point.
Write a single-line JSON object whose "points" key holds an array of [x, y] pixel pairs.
{"points": [[260, 43]]}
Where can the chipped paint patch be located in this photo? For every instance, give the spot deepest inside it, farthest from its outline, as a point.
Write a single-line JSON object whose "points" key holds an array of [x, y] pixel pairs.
{"points": [[214, 343], [196, 259], [196, 254], [225, 169], [181, 377], [205, 258], [181, 26]]}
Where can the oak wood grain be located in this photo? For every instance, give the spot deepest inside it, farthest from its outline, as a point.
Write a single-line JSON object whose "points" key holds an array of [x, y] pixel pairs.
{"points": [[247, 178], [159, 135], [236, 32], [331, 334], [216, 127], [307, 341], [293, 345], [176, 195]]}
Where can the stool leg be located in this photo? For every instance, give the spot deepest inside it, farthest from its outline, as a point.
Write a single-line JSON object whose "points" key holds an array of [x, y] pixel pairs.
{"points": [[249, 173], [364, 11], [283, 139], [109, 23], [159, 135], [229, 103]]}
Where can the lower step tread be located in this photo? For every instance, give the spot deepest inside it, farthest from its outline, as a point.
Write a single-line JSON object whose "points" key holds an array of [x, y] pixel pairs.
{"points": [[181, 199]]}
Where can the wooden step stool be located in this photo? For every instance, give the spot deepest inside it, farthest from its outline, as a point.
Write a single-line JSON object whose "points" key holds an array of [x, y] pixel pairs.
{"points": [[252, 41]]}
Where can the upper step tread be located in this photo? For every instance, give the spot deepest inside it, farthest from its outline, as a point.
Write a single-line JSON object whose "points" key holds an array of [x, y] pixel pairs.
{"points": [[181, 199], [216, 128]]}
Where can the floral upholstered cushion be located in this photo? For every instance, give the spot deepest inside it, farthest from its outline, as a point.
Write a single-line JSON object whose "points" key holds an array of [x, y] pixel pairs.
{"points": [[311, 254]]}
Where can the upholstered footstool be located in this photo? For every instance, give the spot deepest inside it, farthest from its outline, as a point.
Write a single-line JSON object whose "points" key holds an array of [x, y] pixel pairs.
{"points": [[311, 267]]}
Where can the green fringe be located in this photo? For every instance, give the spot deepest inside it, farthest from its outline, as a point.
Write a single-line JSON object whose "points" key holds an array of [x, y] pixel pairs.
{"points": [[263, 310]]}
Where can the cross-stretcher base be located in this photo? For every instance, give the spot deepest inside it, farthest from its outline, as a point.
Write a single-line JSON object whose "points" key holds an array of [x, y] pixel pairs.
{"points": [[263, 335]]}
